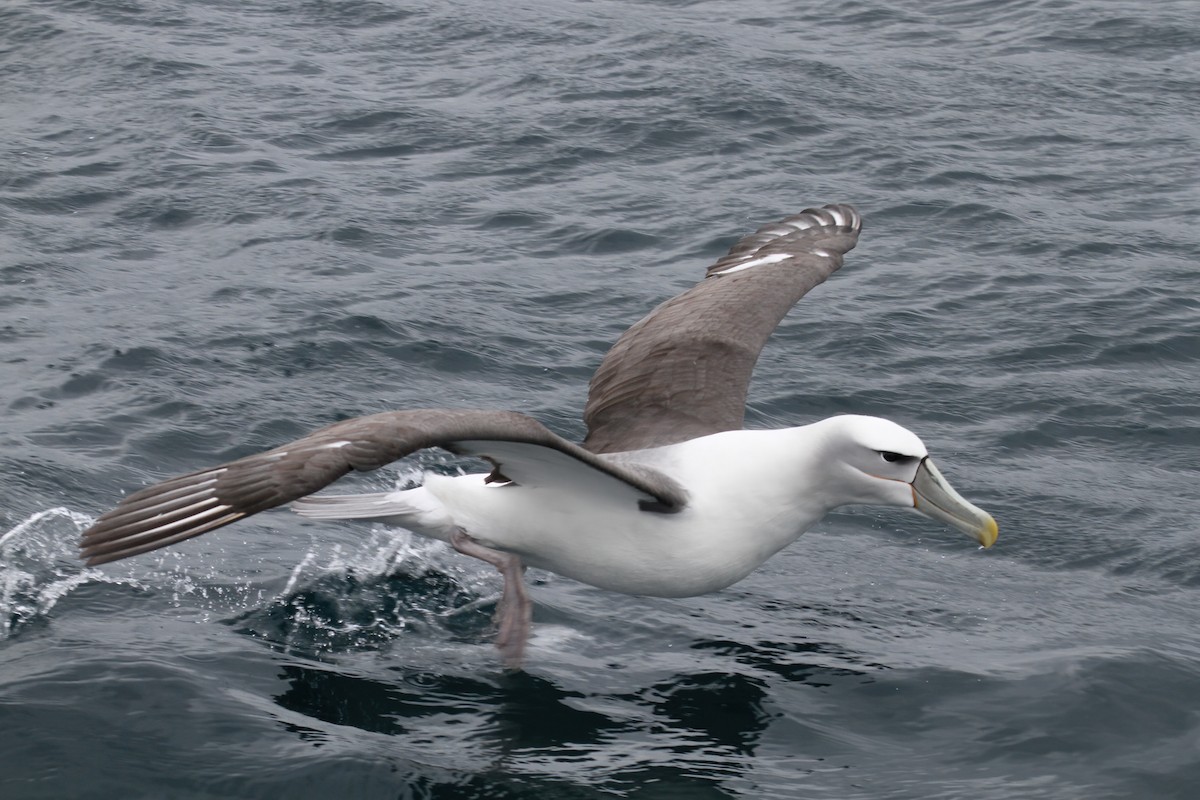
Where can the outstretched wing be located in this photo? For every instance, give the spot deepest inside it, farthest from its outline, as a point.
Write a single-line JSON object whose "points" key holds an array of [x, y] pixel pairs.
{"points": [[683, 370], [519, 447]]}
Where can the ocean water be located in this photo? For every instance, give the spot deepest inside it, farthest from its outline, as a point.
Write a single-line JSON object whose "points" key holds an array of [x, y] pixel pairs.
{"points": [[223, 224]]}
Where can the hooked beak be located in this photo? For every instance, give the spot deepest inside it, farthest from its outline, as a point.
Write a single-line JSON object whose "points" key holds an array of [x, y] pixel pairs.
{"points": [[934, 498]]}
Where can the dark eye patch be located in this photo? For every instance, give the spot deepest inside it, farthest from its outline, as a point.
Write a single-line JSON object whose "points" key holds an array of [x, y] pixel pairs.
{"points": [[892, 458]]}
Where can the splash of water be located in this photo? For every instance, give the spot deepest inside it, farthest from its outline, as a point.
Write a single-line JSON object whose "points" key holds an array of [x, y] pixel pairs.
{"points": [[363, 597], [388, 581], [38, 566]]}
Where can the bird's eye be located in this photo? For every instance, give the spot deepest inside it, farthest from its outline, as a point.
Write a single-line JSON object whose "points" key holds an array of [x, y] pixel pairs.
{"points": [[890, 457]]}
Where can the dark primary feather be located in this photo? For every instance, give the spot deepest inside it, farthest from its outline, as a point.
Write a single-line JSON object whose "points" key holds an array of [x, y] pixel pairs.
{"points": [[683, 370], [191, 504]]}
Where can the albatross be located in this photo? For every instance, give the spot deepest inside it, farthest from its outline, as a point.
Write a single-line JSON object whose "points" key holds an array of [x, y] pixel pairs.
{"points": [[668, 495]]}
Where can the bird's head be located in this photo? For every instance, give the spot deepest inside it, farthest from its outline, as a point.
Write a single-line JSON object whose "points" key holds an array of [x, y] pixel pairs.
{"points": [[883, 463]]}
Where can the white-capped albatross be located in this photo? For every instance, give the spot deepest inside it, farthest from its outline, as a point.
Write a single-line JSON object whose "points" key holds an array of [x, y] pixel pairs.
{"points": [[668, 495]]}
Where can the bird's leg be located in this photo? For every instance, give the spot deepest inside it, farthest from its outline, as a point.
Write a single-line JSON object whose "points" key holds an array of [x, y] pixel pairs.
{"points": [[514, 614]]}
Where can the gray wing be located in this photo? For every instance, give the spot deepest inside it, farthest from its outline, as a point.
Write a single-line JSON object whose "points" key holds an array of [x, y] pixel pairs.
{"points": [[201, 501], [683, 370]]}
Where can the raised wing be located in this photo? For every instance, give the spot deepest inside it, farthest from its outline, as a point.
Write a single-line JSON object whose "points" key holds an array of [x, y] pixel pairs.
{"points": [[189, 505], [683, 370]]}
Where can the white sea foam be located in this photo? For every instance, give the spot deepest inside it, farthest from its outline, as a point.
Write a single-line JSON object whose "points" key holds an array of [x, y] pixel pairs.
{"points": [[38, 566]]}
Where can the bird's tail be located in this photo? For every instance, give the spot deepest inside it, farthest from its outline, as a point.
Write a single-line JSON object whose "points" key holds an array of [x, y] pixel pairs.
{"points": [[352, 506], [416, 509]]}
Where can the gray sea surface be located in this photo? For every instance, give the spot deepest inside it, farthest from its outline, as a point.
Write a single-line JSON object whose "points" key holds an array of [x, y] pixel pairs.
{"points": [[226, 223]]}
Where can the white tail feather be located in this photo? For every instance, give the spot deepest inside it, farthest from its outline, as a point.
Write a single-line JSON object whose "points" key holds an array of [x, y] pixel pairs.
{"points": [[352, 506], [414, 509]]}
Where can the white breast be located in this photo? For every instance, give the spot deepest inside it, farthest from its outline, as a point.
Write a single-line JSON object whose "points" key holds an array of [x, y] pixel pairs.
{"points": [[743, 508]]}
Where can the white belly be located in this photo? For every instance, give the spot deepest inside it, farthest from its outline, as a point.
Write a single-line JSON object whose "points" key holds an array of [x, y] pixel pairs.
{"points": [[612, 544]]}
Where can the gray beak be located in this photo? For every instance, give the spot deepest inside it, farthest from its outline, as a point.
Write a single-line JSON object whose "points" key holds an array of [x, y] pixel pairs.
{"points": [[935, 498]]}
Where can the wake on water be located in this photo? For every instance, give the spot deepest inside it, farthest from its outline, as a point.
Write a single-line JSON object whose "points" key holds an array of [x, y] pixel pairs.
{"points": [[35, 566], [334, 597]]}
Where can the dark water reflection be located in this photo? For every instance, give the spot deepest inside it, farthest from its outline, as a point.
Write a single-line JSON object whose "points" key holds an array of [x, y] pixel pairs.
{"points": [[687, 732]]}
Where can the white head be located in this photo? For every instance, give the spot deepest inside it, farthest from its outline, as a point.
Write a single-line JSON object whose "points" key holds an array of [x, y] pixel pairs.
{"points": [[874, 460]]}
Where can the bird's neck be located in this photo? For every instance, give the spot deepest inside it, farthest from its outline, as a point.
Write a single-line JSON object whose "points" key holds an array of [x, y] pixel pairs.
{"points": [[777, 472]]}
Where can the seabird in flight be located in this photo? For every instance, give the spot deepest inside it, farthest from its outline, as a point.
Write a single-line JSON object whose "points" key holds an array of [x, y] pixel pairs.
{"points": [[667, 496]]}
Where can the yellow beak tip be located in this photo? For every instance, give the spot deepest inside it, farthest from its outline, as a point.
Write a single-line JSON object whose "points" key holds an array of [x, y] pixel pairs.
{"points": [[989, 533]]}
